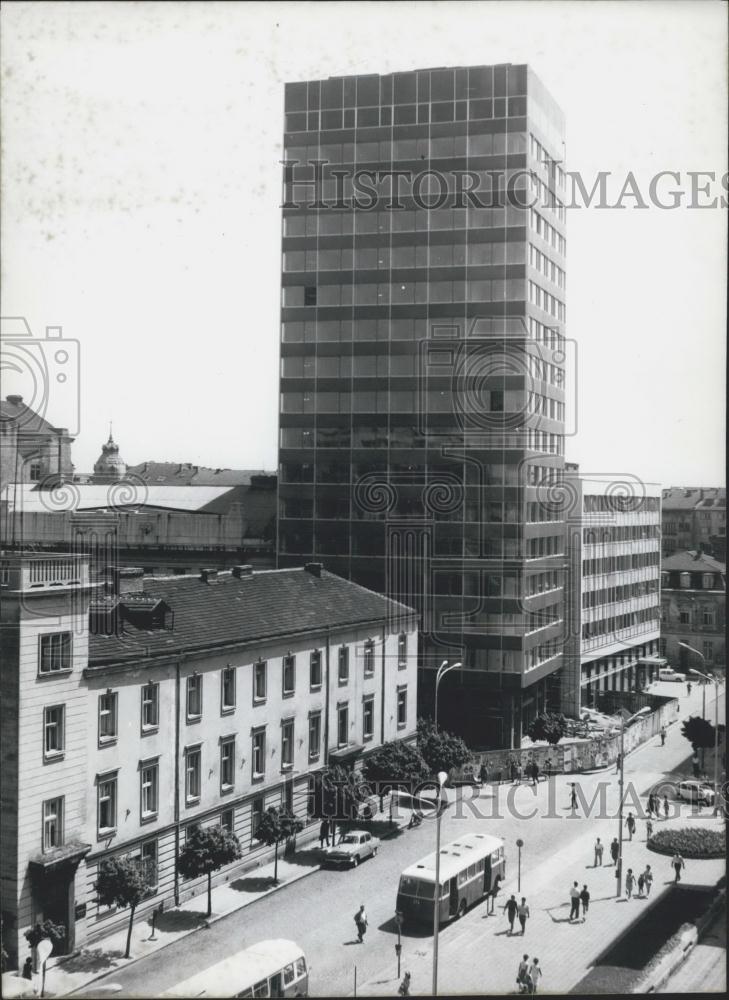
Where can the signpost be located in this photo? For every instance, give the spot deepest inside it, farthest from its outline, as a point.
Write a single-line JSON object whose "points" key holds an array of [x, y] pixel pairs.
{"points": [[398, 946], [519, 844]]}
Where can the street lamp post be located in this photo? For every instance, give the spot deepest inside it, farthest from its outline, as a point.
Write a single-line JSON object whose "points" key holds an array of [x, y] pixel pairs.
{"points": [[519, 844], [710, 677], [398, 946], [436, 888], [619, 863], [442, 671]]}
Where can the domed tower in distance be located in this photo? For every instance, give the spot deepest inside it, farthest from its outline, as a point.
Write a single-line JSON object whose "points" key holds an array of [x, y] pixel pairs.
{"points": [[109, 467]]}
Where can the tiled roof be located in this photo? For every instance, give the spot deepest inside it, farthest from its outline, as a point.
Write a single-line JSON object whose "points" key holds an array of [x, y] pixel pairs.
{"points": [[187, 474], [264, 605], [691, 497], [687, 562], [29, 422], [125, 493]]}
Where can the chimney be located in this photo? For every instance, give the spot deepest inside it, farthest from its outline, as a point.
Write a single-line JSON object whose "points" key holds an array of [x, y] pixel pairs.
{"points": [[126, 579], [699, 551], [15, 400], [244, 570], [207, 575], [314, 568]]}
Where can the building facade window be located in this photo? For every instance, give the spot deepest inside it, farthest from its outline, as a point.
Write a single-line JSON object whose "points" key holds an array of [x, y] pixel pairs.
{"points": [[148, 862], [685, 580], [227, 764], [315, 670], [107, 717], [289, 675], [106, 805], [193, 772], [35, 471], [259, 681], [150, 707], [258, 754], [227, 689], [227, 820], [194, 697], [343, 668], [708, 650], [707, 581], [369, 658], [256, 817], [314, 735], [368, 718], [54, 652], [54, 736], [287, 744], [684, 618], [149, 780], [708, 618], [53, 823], [402, 651], [342, 725], [402, 707]]}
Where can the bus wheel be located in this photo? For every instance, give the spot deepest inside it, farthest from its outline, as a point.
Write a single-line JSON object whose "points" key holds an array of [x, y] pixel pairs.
{"points": [[461, 909]]}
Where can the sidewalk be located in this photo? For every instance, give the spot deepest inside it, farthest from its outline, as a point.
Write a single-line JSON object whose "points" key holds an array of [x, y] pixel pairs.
{"points": [[69, 974], [477, 954]]}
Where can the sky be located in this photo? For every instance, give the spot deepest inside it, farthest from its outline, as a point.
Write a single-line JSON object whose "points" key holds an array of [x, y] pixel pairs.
{"points": [[141, 211]]}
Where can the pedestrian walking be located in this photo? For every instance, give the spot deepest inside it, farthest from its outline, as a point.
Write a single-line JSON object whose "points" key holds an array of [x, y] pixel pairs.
{"points": [[695, 765], [324, 833], [535, 974], [641, 884], [663, 736], [404, 989], [618, 762], [360, 919], [523, 914], [28, 968], [498, 775], [574, 901], [598, 853], [483, 773], [522, 975], [629, 883], [651, 806], [519, 773], [548, 768], [585, 900], [678, 863], [512, 770], [535, 772], [615, 850], [665, 806], [648, 876], [511, 906], [495, 890], [630, 823], [648, 829], [573, 796], [688, 688]]}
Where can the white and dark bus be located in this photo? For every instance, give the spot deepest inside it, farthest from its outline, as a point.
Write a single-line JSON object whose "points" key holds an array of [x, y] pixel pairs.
{"points": [[468, 868], [275, 968]]}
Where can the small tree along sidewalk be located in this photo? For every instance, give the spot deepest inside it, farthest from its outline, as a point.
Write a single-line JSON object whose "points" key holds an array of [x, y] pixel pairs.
{"points": [[121, 882], [277, 825], [207, 850]]}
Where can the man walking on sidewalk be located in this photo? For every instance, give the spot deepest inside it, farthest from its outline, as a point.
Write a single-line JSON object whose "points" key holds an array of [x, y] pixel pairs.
{"points": [[360, 919], [630, 823], [678, 863], [523, 913], [511, 906], [324, 833], [574, 902], [573, 796], [615, 850], [663, 736], [491, 900], [648, 829], [585, 900], [666, 809], [522, 975], [648, 876], [598, 853]]}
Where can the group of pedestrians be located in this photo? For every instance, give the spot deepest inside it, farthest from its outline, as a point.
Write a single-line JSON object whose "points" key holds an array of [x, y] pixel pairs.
{"points": [[528, 976], [579, 897], [644, 881], [514, 910], [654, 806]]}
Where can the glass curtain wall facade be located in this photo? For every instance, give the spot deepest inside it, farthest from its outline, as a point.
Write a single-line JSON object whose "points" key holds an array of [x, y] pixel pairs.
{"points": [[422, 407]]}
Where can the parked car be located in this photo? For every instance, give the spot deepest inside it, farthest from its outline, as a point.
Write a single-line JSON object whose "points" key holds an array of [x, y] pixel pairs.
{"points": [[696, 791], [669, 674], [354, 847]]}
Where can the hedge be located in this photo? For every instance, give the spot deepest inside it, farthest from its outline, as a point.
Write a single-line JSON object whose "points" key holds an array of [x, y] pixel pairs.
{"points": [[697, 842]]}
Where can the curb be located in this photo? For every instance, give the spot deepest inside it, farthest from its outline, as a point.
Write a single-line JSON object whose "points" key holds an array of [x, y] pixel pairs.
{"points": [[207, 923]]}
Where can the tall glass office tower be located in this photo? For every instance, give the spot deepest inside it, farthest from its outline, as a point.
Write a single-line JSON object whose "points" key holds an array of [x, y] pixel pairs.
{"points": [[422, 412]]}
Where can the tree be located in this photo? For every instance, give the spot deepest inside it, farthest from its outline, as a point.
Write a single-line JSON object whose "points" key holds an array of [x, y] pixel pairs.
{"points": [[395, 764], [549, 726], [440, 750], [338, 794], [207, 849], [699, 732], [121, 883], [277, 825]]}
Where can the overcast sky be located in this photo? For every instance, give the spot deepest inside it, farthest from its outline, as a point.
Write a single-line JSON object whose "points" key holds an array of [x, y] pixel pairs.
{"points": [[141, 208]]}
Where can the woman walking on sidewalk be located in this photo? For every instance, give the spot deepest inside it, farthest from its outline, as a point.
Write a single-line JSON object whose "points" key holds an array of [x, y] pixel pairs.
{"points": [[630, 823], [615, 850], [629, 883], [648, 876], [535, 974], [523, 913], [648, 829], [666, 809]]}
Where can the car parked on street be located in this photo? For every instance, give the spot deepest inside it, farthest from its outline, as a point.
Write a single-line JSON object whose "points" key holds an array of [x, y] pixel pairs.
{"points": [[696, 791], [669, 674], [355, 846]]}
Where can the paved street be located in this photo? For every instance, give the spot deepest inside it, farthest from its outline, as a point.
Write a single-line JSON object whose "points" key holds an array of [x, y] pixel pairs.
{"points": [[705, 968], [476, 954]]}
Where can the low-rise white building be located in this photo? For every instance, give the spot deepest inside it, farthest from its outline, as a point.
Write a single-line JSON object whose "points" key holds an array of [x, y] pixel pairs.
{"points": [[128, 717]]}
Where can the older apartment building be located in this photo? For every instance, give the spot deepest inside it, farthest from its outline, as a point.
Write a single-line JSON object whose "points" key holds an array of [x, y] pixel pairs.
{"points": [[614, 593], [693, 598], [127, 717], [692, 517]]}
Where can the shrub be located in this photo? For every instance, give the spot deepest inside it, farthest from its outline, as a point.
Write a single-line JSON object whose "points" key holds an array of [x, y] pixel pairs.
{"points": [[697, 842]]}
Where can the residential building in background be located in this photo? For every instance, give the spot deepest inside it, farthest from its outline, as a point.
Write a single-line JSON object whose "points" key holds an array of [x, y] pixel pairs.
{"points": [[694, 516], [422, 410], [615, 541], [31, 449], [693, 606], [128, 716]]}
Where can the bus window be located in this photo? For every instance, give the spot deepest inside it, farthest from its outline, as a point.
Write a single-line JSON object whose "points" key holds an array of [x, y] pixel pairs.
{"points": [[409, 886], [426, 890], [462, 876], [300, 967], [471, 871], [245, 993], [261, 989], [288, 974], [479, 866]]}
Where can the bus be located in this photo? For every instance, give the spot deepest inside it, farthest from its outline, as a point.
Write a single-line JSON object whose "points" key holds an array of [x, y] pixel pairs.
{"points": [[468, 869], [275, 968]]}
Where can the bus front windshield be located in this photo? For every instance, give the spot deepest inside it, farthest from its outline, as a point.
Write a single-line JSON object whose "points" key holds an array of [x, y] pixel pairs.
{"points": [[416, 887]]}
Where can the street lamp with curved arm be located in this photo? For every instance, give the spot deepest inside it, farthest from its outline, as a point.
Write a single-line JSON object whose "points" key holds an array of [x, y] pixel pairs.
{"points": [[442, 778], [623, 723], [442, 671], [709, 677]]}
